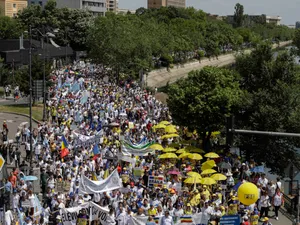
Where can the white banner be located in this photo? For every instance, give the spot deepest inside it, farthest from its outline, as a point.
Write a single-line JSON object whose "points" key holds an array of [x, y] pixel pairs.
{"points": [[69, 215], [136, 152], [96, 212], [88, 186]]}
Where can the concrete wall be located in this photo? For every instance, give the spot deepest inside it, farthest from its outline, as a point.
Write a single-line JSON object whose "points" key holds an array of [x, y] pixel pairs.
{"points": [[159, 78]]}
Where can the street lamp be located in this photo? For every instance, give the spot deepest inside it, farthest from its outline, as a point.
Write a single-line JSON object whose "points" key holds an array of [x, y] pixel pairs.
{"points": [[45, 35], [30, 91]]}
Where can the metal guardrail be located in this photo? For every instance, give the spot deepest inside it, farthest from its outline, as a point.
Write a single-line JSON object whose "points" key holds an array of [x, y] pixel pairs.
{"points": [[290, 206]]}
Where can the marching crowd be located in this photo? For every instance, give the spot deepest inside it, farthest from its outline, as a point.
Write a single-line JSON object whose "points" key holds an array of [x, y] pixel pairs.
{"points": [[81, 106]]}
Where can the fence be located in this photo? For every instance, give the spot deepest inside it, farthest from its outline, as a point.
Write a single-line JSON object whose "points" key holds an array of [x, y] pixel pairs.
{"points": [[290, 207]]}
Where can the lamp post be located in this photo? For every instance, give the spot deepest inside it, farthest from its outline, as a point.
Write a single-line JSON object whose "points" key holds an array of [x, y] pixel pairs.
{"points": [[30, 91], [45, 35]]}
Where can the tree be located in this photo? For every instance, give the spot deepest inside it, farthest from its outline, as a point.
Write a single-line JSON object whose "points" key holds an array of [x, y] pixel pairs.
{"points": [[238, 15], [9, 28], [271, 103], [37, 70], [204, 99], [296, 40], [72, 24]]}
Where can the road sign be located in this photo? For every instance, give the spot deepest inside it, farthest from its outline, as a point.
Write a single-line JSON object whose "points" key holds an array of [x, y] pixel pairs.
{"points": [[2, 161], [230, 220], [38, 88]]}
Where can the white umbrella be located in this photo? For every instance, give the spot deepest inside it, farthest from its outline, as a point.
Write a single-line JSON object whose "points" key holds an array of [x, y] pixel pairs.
{"points": [[22, 124], [123, 114]]}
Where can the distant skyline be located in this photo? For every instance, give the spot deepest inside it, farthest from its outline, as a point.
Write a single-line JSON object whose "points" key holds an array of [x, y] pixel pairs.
{"points": [[288, 9]]}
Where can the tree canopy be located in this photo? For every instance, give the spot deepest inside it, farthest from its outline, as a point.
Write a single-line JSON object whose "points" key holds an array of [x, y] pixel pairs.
{"points": [[270, 103], [72, 24], [204, 99]]}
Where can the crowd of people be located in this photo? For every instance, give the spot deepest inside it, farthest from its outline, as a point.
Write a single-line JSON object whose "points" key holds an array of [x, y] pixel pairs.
{"points": [[84, 104]]}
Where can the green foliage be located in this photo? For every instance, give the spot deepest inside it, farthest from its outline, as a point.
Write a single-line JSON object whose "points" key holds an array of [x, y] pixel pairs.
{"points": [[204, 99], [270, 103], [296, 40], [37, 71], [238, 16], [9, 28], [73, 24]]}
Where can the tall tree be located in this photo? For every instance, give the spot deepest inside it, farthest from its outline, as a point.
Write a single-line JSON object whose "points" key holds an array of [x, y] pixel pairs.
{"points": [[296, 40], [271, 103], [238, 16], [204, 99], [9, 28]]}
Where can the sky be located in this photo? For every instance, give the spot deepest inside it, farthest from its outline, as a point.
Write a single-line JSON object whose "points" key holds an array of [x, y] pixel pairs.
{"points": [[287, 9]]}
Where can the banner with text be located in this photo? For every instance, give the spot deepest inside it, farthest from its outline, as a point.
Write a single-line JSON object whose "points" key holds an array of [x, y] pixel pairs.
{"points": [[112, 182]]}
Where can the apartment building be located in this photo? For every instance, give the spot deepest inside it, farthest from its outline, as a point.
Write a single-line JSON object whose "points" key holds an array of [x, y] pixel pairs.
{"points": [[112, 5], [156, 4], [12, 7]]}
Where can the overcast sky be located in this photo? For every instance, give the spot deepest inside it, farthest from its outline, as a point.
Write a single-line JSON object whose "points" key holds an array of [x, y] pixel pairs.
{"points": [[287, 9]]}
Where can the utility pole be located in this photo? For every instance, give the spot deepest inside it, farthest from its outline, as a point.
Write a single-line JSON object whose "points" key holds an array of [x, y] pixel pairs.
{"points": [[44, 80], [30, 90]]}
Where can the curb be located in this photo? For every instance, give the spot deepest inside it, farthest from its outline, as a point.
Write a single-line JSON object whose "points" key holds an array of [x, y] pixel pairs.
{"points": [[21, 114]]}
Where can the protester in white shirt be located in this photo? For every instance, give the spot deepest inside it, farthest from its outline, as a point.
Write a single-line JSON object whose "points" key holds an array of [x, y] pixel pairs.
{"points": [[167, 219]]}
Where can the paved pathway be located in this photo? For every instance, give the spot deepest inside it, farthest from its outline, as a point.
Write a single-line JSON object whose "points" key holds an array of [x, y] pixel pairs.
{"points": [[159, 78]]}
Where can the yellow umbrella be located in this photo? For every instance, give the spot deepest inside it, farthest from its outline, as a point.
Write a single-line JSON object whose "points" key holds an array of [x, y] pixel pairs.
{"points": [[184, 155], [211, 155], [169, 136], [197, 150], [215, 133], [174, 145], [157, 147], [159, 126], [168, 149], [165, 123], [168, 156], [208, 171], [195, 156], [209, 164], [208, 181], [181, 151], [193, 180], [170, 129], [218, 176], [193, 174]]}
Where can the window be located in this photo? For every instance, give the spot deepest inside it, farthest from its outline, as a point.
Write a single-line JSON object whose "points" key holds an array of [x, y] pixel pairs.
{"points": [[14, 5], [41, 3]]}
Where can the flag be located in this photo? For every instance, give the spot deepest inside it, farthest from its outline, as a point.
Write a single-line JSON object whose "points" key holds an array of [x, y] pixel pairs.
{"points": [[94, 176], [64, 147], [186, 219], [96, 150], [106, 174], [99, 126]]}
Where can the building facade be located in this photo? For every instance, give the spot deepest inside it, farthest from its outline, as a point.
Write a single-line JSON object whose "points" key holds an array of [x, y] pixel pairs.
{"points": [[112, 5], [12, 7], [39, 2], [177, 3], [156, 4], [297, 24], [97, 7]]}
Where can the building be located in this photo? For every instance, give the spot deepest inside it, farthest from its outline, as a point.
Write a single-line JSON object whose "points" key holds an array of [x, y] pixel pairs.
{"points": [[156, 4], [292, 26], [17, 51], [297, 24], [40, 2], [258, 19], [97, 7], [112, 5], [176, 3], [273, 20], [12, 7]]}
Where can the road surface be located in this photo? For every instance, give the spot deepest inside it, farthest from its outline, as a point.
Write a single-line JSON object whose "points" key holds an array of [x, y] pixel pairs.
{"points": [[159, 78]]}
